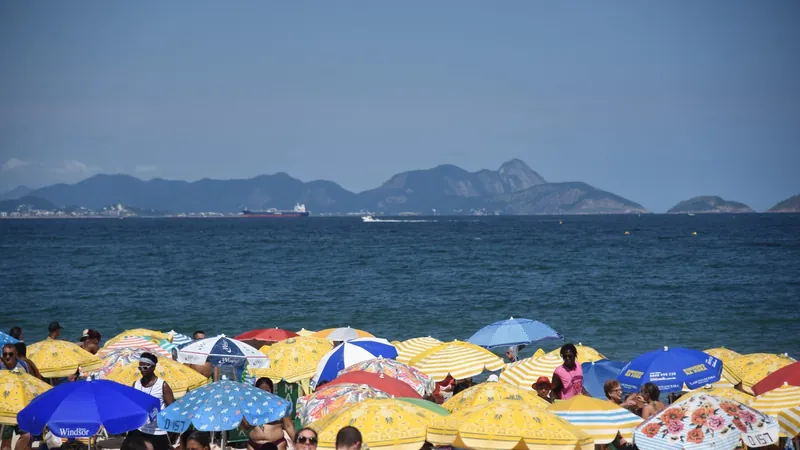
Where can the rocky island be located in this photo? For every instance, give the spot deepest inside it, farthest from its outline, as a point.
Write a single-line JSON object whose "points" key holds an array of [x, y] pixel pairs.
{"points": [[790, 205], [709, 204]]}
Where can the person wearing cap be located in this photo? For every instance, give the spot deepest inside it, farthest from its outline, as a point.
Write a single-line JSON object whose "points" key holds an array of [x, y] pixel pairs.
{"points": [[53, 330], [542, 388], [158, 388], [90, 340]]}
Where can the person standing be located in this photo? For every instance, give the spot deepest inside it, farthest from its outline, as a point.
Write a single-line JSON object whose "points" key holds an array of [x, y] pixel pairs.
{"points": [[279, 432], [22, 355], [543, 388], [568, 377], [53, 330], [16, 333], [90, 341], [158, 388], [349, 438]]}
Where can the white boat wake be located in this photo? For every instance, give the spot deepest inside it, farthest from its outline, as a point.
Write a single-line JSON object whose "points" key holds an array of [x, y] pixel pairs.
{"points": [[370, 219]]}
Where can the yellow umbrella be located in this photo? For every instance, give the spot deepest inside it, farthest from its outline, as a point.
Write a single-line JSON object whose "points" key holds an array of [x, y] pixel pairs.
{"points": [[723, 392], [18, 389], [294, 359], [491, 391], [180, 378], [525, 372], [458, 359], [410, 348], [56, 358], [725, 355], [386, 424], [539, 352], [326, 333], [143, 332], [585, 354], [752, 368], [600, 419], [782, 403], [304, 332], [506, 425]]}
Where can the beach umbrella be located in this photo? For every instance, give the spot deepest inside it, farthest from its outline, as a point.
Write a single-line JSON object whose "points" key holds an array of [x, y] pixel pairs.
{"points": [[385, 424], [525, 372], [350, 352], [56, 358], [706, 422], [457, 358], [670, 369], [141, 332], [391, 368], [18, 390], [585, 354], [513, 332], [410, 348], [294, 360], [785, 375], [725, 355], [258, 338], [752, 368], [506, 425], [783, 404], [596, 373], [222, 351], [488, 392], [7, 339], [179, 339], [304, 332], [427, 404], [80, 408], [180, 378], [391, 386], [138, 343], [600, 419], [329, 399], [221, 406], [722, 392], [342, 334]]}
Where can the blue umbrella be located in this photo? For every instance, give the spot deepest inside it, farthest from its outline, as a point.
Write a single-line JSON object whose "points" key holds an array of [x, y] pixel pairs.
{"points": [[595, 375], [179, 339], [78, 409], [670, 369], [221, 405], [351, 352], [513, 332], [222, 352], [7, 339]]}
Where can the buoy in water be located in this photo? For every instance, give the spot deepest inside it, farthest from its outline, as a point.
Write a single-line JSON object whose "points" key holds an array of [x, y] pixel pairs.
{"points": [[627, 233], [561, 222], [694, 233]]}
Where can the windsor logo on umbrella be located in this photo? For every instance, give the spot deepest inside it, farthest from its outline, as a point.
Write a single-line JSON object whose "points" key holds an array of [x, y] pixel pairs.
{"points": [[74, 432]]}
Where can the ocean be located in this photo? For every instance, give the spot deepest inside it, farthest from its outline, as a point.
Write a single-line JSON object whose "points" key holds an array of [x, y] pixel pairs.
{"points": [[736, 283]]}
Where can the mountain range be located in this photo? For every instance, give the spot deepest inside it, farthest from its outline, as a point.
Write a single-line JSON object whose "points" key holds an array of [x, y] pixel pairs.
{"points": [[514, 188]]}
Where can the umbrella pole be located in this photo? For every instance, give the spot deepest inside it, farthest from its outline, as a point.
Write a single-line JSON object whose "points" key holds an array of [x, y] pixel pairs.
{"points": [[224, 436]]}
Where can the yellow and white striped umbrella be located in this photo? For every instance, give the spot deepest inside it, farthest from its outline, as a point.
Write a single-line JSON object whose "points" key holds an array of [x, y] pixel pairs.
{"points": [[507, 425], [489, 392], [723, 392], [525, 372], [458, 359], [585, 354], [600, 419], [752, 368], [153, 335], [304, 332], [784, 404], [410, 348]]}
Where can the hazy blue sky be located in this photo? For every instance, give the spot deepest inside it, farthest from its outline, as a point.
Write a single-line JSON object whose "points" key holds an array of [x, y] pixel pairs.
{"points": [[656, 101]]}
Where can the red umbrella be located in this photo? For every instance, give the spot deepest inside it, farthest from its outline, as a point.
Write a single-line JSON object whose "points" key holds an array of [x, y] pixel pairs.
{"points": [[257, 338], [789, 375], [391, 386]]}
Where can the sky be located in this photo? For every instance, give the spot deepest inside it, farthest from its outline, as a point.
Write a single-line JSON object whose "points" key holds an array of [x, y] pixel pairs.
{"points": [[657, 101]]}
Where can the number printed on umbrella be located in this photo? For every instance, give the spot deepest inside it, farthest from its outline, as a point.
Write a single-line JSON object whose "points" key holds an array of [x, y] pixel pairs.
{"points": [[760, 440]]}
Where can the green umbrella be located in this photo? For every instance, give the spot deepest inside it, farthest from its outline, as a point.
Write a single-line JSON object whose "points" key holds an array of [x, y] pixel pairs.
{"points": [[430, 406]]}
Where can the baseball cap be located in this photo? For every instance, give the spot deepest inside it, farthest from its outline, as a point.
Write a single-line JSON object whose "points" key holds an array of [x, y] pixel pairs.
{"points": [[542, 380], [53, 327]]}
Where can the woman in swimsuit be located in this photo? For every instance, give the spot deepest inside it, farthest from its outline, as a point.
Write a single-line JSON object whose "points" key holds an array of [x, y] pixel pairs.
{"points": [[648, 398], [273, 432]]}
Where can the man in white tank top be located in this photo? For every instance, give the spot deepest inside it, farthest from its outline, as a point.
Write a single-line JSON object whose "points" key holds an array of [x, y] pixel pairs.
{"points": [[158, 388]]}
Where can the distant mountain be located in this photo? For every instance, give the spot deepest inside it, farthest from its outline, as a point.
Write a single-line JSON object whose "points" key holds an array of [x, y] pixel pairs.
{"points": [[791, 204], [709, 204], [25, 204], [17, 192], [512, 189]]}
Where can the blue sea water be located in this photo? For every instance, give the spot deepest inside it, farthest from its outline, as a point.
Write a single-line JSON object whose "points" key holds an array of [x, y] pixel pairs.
{"points": [[736, 283]]}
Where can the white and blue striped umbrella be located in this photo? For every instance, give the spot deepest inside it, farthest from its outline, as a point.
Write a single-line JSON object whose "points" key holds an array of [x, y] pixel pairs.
{"points": [[513, 332], [601, 419], [222, 351], [351, 352], [179, 339]]}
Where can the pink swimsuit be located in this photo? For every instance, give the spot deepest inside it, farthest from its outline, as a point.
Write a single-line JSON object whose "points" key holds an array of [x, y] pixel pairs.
{"points": [[571, 380]]}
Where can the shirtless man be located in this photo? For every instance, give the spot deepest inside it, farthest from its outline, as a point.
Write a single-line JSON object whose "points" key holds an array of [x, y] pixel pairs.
{"points": [[203, 369], [273, 431]]}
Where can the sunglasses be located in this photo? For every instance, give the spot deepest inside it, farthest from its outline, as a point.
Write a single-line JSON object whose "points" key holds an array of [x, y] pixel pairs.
{"points": [[7, 354], [306, 439]]}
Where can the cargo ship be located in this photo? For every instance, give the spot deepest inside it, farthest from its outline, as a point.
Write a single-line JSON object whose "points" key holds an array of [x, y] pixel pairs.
{"points": [[298, 211]]}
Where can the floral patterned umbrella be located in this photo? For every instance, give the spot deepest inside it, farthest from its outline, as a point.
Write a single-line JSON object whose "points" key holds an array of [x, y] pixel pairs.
{"points": [[329, 399], [704, 421], [421, 382]]}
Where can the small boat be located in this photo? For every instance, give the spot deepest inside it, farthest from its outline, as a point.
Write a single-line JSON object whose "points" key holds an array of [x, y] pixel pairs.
{"points": [[368, 219]]}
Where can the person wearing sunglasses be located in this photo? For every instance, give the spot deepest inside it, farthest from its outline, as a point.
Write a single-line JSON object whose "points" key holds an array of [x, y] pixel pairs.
{"points": [[152, 385], [305, 439], [11, 361]]}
